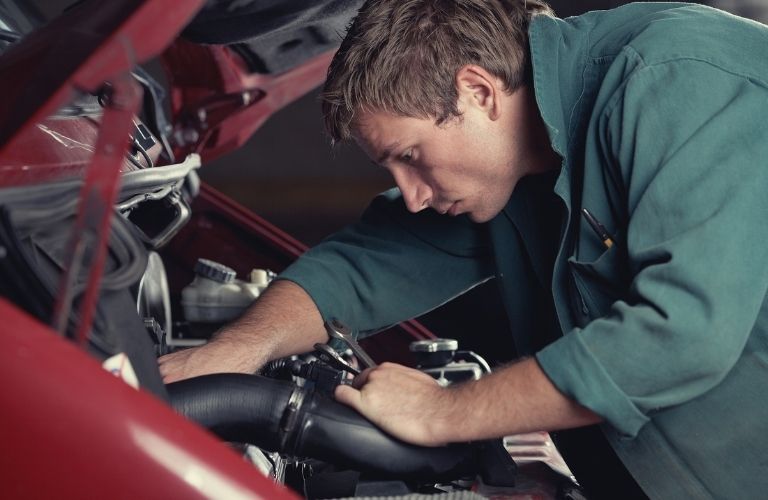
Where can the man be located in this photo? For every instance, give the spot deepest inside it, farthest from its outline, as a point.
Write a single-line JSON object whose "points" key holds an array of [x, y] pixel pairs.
{"points": [[507, 122]]}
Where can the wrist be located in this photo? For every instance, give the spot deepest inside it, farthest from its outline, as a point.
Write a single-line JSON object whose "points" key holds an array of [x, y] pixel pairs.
{"points": [[447, 420]]}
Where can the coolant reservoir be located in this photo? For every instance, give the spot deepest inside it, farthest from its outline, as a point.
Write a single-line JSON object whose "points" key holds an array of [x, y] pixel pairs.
{"points": [[216, 295]]}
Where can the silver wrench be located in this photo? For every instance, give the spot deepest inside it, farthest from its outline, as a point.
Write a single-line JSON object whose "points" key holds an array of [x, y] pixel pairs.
{"points": [[337, 330]]}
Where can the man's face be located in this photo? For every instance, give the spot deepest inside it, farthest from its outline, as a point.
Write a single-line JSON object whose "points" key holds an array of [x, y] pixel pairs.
{"points": [[467, 166]]}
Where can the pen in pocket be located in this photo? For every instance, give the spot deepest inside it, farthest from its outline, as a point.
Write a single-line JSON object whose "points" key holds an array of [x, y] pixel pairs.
{"points": [[599, 229]]}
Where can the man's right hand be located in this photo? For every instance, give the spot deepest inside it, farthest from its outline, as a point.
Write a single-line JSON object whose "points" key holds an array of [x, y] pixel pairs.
{"points": [[284, 320]]}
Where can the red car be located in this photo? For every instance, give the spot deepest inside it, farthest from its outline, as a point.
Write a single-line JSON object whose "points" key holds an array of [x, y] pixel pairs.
{"points": [[102, 223]]}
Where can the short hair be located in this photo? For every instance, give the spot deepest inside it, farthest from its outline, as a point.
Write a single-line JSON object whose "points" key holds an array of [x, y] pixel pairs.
{"points": [[402, 56]]}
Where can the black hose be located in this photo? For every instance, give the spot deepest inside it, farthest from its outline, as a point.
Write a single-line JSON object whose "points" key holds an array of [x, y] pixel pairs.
{"points": [[278, 416], [337, 434], [235, 407]]}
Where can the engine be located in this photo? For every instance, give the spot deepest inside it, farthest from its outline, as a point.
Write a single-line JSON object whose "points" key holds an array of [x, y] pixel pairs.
{"points": [[283, 420]]}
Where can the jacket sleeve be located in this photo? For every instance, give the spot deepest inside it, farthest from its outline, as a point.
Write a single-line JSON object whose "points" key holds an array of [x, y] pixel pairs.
{"points": [[392, 265], [689, 142]]}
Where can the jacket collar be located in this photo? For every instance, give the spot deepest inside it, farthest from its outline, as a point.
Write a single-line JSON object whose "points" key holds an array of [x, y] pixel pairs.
{"points": [[558, 56]]}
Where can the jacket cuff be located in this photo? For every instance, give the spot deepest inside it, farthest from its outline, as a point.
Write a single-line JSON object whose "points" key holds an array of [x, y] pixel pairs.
{"points": [[575, 371]]}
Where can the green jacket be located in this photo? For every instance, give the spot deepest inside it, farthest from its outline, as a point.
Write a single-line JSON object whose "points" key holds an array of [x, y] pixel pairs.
{"points": [[660, 112]]}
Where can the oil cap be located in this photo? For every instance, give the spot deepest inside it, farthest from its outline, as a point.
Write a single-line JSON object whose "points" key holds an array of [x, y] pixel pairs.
{"points": [[214, 271]]}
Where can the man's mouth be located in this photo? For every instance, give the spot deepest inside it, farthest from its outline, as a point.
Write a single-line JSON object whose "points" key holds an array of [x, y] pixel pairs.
{"points": [[451, 209]]}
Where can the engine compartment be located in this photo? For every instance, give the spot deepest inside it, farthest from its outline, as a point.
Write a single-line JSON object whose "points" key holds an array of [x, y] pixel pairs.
{"points": [[284, 419], [99, 239]]}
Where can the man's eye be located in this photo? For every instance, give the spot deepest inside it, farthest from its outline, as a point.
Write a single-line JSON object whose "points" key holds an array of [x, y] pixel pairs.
{"points": [[407, 156]]}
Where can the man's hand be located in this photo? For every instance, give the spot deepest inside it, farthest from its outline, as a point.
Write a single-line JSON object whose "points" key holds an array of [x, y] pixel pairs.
{"points": [[404, 402], [283, 321], [411, 406], [214, 357]]}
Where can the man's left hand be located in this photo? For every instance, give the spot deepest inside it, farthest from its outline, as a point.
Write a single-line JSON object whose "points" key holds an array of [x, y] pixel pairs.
{"points": [[404, 402], [413, 407]]}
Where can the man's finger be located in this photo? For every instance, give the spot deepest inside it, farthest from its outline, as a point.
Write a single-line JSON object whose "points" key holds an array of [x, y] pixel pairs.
{"points": [[167, 374], [362, 379], [348, 395]]}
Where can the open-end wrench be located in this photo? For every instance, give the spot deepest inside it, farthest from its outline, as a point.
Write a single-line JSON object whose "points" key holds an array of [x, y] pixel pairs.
{"points": [[329, 356], [337, 330]]}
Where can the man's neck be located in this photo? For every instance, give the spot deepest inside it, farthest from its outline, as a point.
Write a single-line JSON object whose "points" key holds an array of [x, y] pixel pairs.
{"points": [[543, 158]]}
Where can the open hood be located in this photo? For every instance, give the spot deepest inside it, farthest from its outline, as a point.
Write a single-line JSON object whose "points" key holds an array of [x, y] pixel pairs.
{"points": [[86, 46], [236, 63], [273, 35]]}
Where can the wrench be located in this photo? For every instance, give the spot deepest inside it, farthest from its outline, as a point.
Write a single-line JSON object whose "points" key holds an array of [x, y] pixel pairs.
{"points": [[337, 330], [329, 356]]}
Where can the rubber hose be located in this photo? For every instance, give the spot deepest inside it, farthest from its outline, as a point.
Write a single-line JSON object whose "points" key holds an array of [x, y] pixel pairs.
{"points": [[235, 407], [337, 434], [252, 409]]}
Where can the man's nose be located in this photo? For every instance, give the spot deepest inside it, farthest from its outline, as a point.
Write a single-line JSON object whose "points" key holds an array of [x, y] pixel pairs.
{"points": [[416, 193]]}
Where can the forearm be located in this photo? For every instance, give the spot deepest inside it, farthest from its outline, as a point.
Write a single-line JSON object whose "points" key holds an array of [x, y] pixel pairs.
{"points": [[283, 321], [517, 398]]}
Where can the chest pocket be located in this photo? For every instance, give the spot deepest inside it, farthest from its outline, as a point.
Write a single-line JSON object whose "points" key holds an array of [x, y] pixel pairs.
{"points": [[597, 284]]}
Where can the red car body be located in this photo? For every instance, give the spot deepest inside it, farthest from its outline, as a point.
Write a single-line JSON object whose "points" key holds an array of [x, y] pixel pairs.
{"points": [[69, 428]]}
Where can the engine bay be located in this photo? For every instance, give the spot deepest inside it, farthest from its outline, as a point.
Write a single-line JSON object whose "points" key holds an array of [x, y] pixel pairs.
{"points": [[123, 253], [284, 420]]}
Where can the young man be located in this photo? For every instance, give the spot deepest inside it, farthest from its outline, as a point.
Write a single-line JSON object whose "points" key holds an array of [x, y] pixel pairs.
{"points": [[500, 125]]}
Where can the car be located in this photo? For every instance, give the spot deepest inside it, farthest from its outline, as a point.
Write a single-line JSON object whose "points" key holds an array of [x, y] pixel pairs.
{"points": [[112, 252]]}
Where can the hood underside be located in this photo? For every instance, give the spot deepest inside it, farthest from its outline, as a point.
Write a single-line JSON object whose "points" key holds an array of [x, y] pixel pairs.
{"points": [[274, 35]]}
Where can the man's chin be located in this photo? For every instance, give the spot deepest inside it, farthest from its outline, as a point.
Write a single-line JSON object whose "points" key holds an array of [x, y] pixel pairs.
{"points": [[480, 218]]}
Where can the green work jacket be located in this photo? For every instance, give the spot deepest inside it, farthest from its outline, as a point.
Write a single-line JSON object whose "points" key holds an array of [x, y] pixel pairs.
{"points": [[660, 113]]}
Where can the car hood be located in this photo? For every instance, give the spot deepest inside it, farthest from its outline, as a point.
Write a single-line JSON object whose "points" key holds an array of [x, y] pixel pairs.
{"points": [[105, 39], [278, 34]]}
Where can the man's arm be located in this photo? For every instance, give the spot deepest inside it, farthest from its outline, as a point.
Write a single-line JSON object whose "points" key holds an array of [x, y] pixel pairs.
{"points": [[357, 276], [694, 205], [410, 405], [283, 321]]}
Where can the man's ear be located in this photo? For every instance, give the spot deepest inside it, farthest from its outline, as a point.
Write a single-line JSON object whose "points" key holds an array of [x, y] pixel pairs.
{"points": [[477, 87]]}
